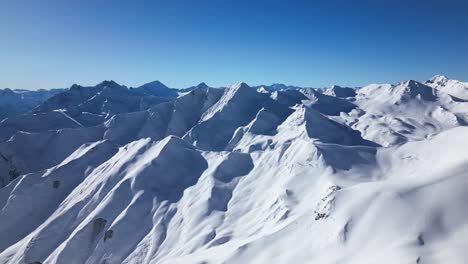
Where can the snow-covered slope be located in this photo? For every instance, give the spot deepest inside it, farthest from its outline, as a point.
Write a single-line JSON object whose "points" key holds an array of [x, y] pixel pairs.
{"points": [[237, 107], [338, 91], [393, 114], [78, 107], [237, 175], [170, 118], [453, 87], [276, 87], [105, 99]]}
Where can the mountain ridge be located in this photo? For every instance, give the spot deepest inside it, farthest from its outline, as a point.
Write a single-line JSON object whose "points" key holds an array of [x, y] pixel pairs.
{"points": [[107, 174]]}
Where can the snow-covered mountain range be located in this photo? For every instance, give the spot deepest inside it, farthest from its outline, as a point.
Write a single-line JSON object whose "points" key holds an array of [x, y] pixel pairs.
{"points": [[264, 174], [19, 101]]}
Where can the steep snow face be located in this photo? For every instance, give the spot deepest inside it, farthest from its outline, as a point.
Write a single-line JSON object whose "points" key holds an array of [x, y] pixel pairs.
{"points": [[453, 87], [326, 130], [235, 175], [40, 193], [171, 118], [237, 107], [138, 183]]}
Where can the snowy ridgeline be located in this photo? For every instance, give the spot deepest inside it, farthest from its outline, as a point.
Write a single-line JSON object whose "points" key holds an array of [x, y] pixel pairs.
{"points": [[267, 174]]}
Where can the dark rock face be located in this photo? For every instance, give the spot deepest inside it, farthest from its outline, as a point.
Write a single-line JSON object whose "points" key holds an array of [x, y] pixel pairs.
{"points": [[56, 184], [108, 235], [98, 226]]}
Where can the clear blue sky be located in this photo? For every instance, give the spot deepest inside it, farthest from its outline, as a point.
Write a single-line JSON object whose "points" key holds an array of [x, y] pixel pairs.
{"points": [[55, 43]]}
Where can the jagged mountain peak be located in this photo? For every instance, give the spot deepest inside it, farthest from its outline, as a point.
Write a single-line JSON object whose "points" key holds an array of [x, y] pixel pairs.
{"points": [[439, 79], [415, 89], [239, 86], [219, 175], [411, 83], [156, 88], [156, 84], [202, 85], [455, 88], [339, 91], [106, 84], [109, 84]]}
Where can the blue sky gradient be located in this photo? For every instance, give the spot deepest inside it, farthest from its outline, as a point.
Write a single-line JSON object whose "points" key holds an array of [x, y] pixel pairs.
{"points": [[55, 43]]}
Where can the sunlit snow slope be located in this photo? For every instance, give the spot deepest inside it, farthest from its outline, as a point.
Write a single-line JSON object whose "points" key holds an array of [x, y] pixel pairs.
{"points": [[267, 174]]}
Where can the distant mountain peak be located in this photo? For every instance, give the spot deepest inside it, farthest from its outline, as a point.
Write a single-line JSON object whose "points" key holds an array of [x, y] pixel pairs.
{"points": [[439, 78], [412, 83], [276, 87], [202, 85], [156, 88], [279, 85], [412, 89], [241, 85], [339, 91], [156, 84], [453, 87], [108, 83], [7, 91], [75, 86]]}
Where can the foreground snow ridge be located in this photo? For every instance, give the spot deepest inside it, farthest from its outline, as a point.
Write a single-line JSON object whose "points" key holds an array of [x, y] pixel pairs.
{"points": [[265, 174]]}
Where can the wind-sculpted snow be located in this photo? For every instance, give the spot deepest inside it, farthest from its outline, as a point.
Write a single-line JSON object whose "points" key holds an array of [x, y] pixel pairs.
{"points": [[265, 174]]}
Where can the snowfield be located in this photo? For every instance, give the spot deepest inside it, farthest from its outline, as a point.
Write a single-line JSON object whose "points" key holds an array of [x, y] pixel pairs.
{"points": [[265, 174]]}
